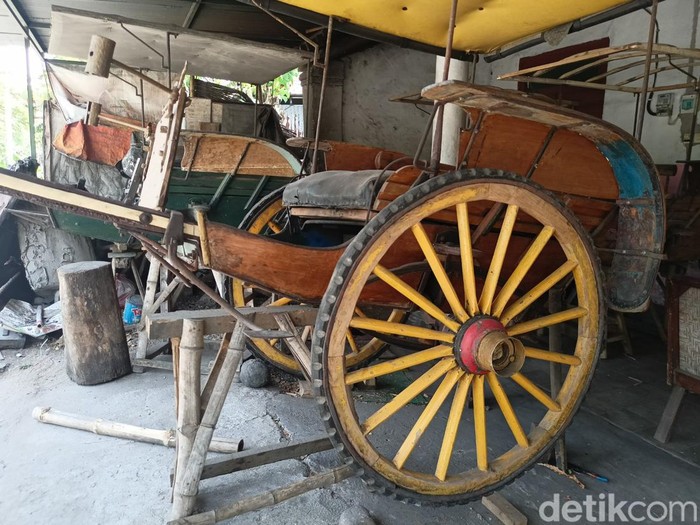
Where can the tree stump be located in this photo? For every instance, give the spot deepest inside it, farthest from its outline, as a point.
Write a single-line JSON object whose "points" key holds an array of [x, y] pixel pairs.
{"points": [[95, 342]]}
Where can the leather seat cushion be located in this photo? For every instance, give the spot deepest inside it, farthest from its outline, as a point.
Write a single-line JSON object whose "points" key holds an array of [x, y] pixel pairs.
{"points": [[335, 189]]}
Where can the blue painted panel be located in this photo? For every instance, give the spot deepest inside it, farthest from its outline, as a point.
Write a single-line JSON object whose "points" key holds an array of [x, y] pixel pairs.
{"points": [[631, 173]]}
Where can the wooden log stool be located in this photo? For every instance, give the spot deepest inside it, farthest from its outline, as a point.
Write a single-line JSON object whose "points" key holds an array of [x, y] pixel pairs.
{"points": [[95, 342]]}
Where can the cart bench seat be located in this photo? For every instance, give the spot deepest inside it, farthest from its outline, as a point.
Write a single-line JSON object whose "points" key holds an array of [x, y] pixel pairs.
{"points": [[336, 189]]}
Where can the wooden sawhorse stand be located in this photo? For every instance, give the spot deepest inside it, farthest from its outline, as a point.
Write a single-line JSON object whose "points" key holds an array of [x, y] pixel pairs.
{"points": [[198, 409]]}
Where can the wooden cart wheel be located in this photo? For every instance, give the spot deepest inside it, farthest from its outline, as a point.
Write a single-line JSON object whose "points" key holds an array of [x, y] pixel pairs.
{"points": [[269, 217], [421, 445]]}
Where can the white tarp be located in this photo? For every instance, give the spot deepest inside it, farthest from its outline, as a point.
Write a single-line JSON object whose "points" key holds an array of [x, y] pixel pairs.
{"points": [[206, 54]]}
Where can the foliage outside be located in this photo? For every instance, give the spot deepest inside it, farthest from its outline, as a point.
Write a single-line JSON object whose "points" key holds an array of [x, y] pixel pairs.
{"points": [[275, 92]]}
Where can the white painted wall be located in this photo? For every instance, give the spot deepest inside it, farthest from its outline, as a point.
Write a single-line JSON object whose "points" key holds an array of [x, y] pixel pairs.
{"points": [[676, 19], [371, 78]]}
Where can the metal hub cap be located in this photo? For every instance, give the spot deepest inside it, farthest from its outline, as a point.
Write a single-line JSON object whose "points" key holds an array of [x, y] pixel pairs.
{"points": [[482, 346]]}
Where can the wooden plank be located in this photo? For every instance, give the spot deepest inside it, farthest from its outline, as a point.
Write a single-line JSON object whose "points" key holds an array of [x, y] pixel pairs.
{"points": [[296, 344], [168, 325], [503, 510], [668, 418], [162, 155], [264, 456]]}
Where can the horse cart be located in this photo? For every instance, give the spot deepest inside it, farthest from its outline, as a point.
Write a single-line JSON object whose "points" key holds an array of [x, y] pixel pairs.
{"points": [[450, 265]]}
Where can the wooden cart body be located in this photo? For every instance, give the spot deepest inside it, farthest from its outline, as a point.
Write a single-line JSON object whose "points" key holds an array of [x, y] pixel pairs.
{"points": [[603, 174], [258, 166]]}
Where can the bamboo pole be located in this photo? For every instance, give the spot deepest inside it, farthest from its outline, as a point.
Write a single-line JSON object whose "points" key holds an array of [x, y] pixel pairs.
{"points": [[187, 483], [188, 392], [148, 300], [269, 498], [104, 427]]}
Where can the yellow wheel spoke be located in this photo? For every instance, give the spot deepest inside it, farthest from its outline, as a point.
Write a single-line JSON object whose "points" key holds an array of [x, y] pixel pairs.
{"points": [[412, 294], [351, 340], [439, 272], [547, 320], [554, 357], [407, 394], [274, 226], [448, 441], [534, 294], [281, 301], [386, 327], [427, 416], [482, 460], [401, 363], [507, 409], [521, 270], [359, 312], [465, 251], [536, 392], [499, 254]]}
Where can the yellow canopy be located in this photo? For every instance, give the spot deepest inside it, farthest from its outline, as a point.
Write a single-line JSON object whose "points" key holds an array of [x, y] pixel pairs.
{"points": [[482, 25]]}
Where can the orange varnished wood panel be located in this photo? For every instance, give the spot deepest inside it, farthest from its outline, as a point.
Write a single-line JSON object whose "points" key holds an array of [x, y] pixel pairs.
{"points": [[571, 163], [301, 272], [505, 143]]}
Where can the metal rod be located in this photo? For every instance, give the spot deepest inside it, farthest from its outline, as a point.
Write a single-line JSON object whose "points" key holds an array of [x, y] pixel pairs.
{"points": [[140, 75], [255, 110], [642, 102], [143, 105], [170, 72], [424, 137], [691, 144], [439, 117], [162, 58], [301, 35], [30, 102], [324, 79], [555, 369]]}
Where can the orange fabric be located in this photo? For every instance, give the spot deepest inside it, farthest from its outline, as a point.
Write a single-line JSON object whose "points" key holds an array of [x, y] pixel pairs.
{"points": [[94, 143]]}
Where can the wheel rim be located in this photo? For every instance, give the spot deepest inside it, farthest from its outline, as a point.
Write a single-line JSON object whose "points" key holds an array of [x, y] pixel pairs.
{"points": [[448, 475], [270, 220]]}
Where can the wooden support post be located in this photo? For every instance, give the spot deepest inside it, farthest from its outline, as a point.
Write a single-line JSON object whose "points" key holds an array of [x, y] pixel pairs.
{"points": [[215, 370], [555, 333], [187, 483], [668, 418], [95, 342], [148, 300], [188, 392]]}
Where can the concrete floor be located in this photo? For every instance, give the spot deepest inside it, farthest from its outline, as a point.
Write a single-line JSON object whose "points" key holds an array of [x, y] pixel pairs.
{"points": [[55, 475]]}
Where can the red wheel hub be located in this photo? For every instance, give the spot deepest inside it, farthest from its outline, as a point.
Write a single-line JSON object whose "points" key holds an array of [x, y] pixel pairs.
{"points": [[482, 345]]}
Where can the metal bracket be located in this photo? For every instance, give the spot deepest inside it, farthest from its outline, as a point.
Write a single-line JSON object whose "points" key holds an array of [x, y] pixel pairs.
{"points": [[174, 233]]}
